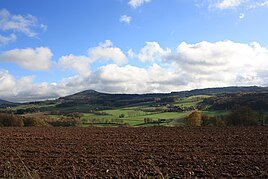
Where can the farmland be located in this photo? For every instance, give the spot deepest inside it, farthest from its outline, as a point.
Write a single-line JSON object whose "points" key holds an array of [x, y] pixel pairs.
{"points": [[134, 152], [133, 116], [92, 108]]}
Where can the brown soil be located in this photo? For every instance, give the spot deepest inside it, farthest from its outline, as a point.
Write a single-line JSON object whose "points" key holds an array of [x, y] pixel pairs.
{"points": [[156, 152]]}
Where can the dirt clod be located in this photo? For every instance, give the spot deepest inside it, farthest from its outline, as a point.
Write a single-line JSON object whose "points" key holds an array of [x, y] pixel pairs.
{"points": [[156, 152]]}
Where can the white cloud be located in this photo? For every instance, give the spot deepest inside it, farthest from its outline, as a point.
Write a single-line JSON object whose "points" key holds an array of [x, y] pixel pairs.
{"points": [[131, 79], [263, 4], [221, 63], [125, 19], [43, 26], [33, 59], [152, 51], [78, 63], [26, 24], [233, 4], [109, 78], [241, 16], [104, 51], [4, 40], [200, 65], [137, 3], [25, 89], [7, 82], [228, 4], [131, 54], [107, 51]]}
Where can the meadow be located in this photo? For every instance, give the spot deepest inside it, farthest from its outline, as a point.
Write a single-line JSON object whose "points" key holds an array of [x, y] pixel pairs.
{"points": [[134, 117]]}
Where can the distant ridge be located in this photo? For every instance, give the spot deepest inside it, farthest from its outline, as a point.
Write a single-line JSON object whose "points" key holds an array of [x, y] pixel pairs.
{"points": [[3, 102], [108, 99], [203, 91], [92, 97], [88, 100], [220, 90]]}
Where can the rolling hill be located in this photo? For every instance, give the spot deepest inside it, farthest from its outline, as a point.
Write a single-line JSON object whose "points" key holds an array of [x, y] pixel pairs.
{"points": [[103, 109], [97, 100], [93, 100], [94, 97], [104, 100], [3, 102], [255, 100], [222, 90]]}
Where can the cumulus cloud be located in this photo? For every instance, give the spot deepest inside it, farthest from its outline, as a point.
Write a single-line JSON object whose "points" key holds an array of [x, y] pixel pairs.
{"points": [[137, 3], [33, 59], [26, 24], [233, 4], [199, 65], [25, 89], [221, 63], [78, 63], [107, 51], [132, 79], [241, 16], [152, 51], [7, 82], [131, 54], [262, 4], [109, 78], [228, 4], [125, 19], [104, 51], [7, 39]]}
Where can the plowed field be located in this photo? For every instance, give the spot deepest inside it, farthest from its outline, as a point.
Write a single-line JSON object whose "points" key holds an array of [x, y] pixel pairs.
{"points": [[155, 152]]}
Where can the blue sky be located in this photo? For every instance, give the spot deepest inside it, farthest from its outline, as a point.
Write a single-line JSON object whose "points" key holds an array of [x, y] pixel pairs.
{"points": [[55, 48]]}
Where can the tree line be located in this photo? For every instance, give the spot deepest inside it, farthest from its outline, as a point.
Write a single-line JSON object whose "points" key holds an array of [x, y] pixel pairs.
{"points": [[12, 120], [239, 116]]}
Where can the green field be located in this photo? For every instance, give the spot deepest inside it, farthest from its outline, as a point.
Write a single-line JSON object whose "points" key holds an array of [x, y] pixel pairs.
{"points": [[131, 115], [134, 116], [190, 101]]}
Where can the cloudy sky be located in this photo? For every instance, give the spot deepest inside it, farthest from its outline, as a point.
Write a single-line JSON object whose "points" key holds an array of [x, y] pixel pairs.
{"points": [[56, 48]]}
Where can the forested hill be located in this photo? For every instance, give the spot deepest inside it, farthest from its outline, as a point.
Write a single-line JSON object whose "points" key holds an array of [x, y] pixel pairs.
{"points": [[94, 99], [94, 95], [115, 100], [112, 100], [3, 102], [222, 90], [256, 101]]}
